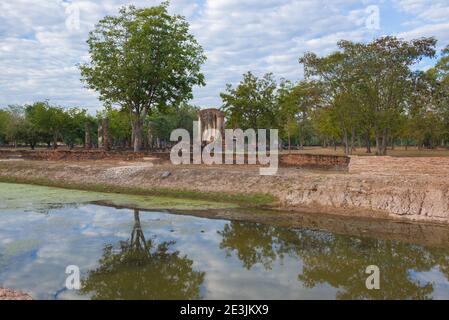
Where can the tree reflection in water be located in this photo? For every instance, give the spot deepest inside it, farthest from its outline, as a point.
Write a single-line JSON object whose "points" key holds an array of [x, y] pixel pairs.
{"points": [[337, 260], [140, 269]]}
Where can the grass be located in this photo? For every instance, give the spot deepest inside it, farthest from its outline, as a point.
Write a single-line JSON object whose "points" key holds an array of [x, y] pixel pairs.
{"points": [[243, 200]]}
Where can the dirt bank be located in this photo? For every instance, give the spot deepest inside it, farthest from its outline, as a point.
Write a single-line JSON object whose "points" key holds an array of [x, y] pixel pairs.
{"points": [[412, 189]]}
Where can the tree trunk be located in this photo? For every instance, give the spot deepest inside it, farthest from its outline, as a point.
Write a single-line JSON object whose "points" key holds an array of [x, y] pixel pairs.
{"points": [[137, 133], [345, 142], [352, 140], [289, 143], [55, 141], [368, 142], [383, 147], [378, 152]]}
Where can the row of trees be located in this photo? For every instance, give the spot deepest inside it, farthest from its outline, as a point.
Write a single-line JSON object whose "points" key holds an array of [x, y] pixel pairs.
{"points": [[363, 94], [42, 123], [156, 126], [145, 62]]}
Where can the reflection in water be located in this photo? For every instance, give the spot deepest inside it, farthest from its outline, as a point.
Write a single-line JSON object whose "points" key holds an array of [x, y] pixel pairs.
{"points": [[140, 269], [255, 243], [339, 261], [188, 257]]}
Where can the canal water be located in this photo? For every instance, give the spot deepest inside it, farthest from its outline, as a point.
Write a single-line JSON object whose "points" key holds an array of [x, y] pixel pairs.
{"points": [[126, 253]]}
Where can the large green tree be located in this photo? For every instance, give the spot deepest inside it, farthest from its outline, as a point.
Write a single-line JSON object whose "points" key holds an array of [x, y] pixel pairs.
{"points": [[370, 80], [252, 104], [49, 121], [143, 59]]}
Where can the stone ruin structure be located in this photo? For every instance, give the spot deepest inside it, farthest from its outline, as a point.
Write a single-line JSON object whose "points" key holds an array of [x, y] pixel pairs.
{"points": [[103, 134], [210, 124], [87, 136]]}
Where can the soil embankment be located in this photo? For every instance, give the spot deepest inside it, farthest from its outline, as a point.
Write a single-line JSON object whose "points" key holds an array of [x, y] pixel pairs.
{"points": [[413, 189]]}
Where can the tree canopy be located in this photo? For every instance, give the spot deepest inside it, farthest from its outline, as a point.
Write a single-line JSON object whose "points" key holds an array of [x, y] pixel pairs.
{"points": [[143, 59]]}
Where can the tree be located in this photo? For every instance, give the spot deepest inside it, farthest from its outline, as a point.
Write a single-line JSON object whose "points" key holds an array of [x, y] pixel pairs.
{"points": [[119, 125], [73, 128], [143, 59], [306, 97], [287, 110], [252, 104], [4, 119], [163, 122], [337, 84], [324, 125], [440, 76], [14, 124], [49, 120], [374, 79]]}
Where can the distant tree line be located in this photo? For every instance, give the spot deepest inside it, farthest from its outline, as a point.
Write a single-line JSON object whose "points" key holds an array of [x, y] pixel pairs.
{"points": [[43, 124], [362, 95]]}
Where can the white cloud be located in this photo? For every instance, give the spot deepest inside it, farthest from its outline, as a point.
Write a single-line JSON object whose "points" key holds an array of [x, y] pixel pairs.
{"points": [[429, 19], [39, 51]]}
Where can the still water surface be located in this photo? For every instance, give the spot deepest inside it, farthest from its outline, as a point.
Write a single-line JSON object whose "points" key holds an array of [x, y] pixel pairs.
{"points": [[155, 254]]}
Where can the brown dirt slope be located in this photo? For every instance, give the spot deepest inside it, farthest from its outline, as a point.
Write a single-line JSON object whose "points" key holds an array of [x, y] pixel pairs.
{"points": [[399, 188]]}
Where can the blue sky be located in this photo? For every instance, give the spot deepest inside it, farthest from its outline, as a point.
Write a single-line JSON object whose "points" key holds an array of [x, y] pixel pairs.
{"points": [[42, 41]]}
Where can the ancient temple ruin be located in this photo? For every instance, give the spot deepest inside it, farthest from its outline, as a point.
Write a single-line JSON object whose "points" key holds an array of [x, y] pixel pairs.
{"points": [[210, 124], [103, 134], [87, 136]]}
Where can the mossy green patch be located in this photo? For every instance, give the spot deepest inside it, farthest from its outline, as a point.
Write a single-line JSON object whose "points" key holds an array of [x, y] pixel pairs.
{"points": [[22, 196], [211, 199]]}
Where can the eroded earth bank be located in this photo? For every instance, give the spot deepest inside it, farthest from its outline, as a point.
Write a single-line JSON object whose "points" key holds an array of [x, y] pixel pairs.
{"points": [[415, 189]]}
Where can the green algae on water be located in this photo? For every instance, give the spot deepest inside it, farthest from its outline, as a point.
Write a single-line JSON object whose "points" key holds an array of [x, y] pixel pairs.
{"points": [[38, 198]]}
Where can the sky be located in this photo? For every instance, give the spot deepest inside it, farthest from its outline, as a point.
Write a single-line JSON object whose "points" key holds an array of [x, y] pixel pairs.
{"points": [[43, 41]]}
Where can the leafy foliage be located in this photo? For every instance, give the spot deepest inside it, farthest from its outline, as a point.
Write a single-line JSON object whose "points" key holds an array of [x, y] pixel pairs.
{"points": [[143, 59]]}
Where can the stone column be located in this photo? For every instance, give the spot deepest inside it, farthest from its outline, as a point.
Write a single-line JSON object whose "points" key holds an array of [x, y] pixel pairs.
{"points": [[87, 136], [200, 130], [100, 134], [220, 125]]}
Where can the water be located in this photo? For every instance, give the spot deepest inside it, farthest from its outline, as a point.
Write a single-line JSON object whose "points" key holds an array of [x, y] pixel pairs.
{"points": [[155, 254]]}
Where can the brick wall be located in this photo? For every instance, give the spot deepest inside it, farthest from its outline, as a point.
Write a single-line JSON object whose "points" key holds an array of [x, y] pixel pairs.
{"points": [[327, 162], [314, 161], [78, 155]]}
